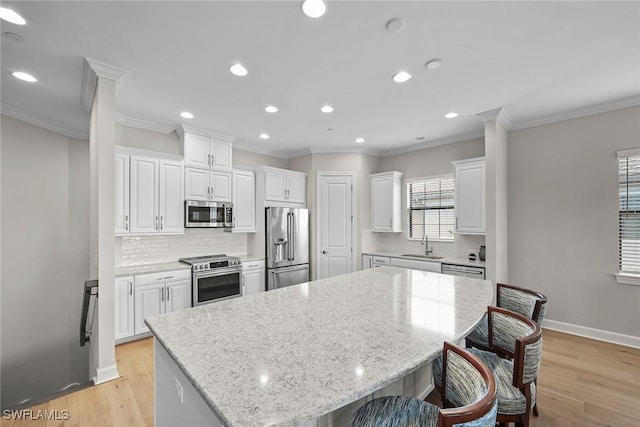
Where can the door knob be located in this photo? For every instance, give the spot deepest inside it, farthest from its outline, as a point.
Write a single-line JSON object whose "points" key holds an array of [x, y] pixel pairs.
{"points": [[325, 252]]}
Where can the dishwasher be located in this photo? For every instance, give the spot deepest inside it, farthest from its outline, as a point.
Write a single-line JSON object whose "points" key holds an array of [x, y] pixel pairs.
{"points": [[463, 270]]}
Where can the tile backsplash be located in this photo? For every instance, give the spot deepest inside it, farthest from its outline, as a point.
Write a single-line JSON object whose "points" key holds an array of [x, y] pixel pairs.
{"points": [[138, 250]]}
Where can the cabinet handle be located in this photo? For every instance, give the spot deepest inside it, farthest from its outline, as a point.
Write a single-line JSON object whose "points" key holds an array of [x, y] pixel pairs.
{"points": [[168, 294], [390, 225], [213, 160], [126, 222], [156, 222], [164, 278], [456, 223], [161, 295], [130, 287], [209, 160], [161, 222]]}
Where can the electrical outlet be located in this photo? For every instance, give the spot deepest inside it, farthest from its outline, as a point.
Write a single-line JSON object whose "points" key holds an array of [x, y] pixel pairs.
{"points": [[179, 390]]}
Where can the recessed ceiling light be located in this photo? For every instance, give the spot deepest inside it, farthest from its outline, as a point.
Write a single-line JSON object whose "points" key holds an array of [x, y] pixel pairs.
{"points": [[238, 70], [451, 115], [432, 64], [271, 109], [401, 77], [359, 140], [327, 109], [186, 115], [264, 136], [314, 8], [394, 25], [13, 36], [24, 76], [11, 16]]}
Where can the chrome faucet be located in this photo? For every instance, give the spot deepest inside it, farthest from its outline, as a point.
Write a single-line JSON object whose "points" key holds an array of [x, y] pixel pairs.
{"points": [[425, 242]]}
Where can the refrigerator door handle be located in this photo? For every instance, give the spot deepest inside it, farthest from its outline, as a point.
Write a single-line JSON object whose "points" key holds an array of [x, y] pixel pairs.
{"points": [[293, 235]]}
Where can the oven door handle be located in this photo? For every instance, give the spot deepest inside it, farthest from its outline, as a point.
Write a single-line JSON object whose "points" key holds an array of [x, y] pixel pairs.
{"points": [[217, 272]]}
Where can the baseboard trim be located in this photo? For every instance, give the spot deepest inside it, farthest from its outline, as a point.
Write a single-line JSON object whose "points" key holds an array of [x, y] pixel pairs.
{"points": [[596, 334], [106, 374]]}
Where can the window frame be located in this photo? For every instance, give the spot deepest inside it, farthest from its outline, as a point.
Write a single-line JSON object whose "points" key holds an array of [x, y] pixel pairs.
{"points": [[409, 181], [624, 276]]}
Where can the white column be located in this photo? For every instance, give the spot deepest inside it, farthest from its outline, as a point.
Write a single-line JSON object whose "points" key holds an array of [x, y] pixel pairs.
{"points": [[496, 126]]}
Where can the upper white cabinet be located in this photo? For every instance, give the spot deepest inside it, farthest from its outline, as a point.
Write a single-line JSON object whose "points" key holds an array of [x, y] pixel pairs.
{"points": [[156, 204], [206, 185], [281, 185], [122, 193], [385, 202], [244, 202], [203, 149], [470, 198]]}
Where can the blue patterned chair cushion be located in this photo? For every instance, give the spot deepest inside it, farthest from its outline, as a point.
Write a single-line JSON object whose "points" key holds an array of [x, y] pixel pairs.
{"points": [[480, 335], [521, 302], [510, 399], [396, 411]]}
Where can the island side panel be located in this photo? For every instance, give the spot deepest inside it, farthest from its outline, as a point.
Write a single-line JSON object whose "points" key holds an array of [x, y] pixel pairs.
{"points": [[177, 402]]}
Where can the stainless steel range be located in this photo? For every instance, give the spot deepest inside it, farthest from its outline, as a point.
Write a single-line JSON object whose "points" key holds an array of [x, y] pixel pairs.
{"points": [[214, 278]]}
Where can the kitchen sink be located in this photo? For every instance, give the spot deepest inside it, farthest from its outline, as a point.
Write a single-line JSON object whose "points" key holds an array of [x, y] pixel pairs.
{"points": [[422, 256]]}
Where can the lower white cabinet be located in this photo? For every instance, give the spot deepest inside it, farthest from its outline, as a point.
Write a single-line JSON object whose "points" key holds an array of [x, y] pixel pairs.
{"points": [[253, 277], [380, 261], [367, 262], [124, 307]]}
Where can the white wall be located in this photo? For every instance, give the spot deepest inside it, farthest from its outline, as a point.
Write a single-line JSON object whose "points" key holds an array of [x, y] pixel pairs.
{"points": [[563, 218], [45, 259], [424, 163]]}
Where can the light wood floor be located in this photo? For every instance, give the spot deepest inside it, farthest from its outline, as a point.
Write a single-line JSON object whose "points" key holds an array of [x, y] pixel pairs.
{"points": [[582, 383]]}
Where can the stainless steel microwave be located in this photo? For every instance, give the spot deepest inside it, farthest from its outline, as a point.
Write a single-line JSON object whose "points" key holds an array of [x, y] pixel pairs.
{"points": [[199, 214]]}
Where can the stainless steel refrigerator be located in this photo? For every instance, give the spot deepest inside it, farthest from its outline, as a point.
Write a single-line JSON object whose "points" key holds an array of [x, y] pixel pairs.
{"points": [[287, 246]]}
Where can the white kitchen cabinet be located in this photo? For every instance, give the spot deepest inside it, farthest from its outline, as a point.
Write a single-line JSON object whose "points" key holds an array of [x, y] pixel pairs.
{"points": [[122, 193], [123, 295], [156, 194], [284, 186], [244, 202], [415, 264], [206, 152], [159, 293], [470, 196], [385, 202], [206, 185], [380, 261], [253, 277], [367, 262]]}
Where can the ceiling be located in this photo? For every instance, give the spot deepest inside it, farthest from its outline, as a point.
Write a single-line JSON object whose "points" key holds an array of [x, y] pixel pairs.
{"points": [[540, 61]]}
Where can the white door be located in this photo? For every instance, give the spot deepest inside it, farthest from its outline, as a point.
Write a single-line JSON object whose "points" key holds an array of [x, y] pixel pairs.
{"points": [[124, 307], [196, 151], [122, 193], [253, 282], [221, 154], [177, 296], [144, 195], [244, 201], [382, 203], [336, 195], [295, 188], [220, 186], [149, 301], [171, 198], [275, 184]]}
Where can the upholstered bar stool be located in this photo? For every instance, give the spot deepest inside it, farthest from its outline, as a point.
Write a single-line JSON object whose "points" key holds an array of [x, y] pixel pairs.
{"points": [[520, 339], [470, 396]]}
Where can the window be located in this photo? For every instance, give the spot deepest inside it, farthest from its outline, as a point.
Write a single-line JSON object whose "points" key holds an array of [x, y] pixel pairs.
{"points": [[629, 213], [431, 208]]}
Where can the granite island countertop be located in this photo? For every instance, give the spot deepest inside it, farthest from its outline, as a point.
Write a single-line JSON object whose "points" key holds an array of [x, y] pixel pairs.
{"points": [[286, 356]]}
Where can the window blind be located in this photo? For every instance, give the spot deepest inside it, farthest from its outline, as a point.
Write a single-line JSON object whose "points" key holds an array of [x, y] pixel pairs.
{"points": [[629, 195], [431, 208]]}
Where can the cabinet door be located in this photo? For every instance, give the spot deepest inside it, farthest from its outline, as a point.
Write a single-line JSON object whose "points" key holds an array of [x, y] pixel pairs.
{"points": [[244, 202], [149, 301], [221, 154], [196, 151], [367, 262], [177, 295], [295, 189], [196, 184], [470, 198], [171, 199], [253, 282], [144, 195], [381, 203], [124, 307], [275, 185], [220, 186], [122, 193]]}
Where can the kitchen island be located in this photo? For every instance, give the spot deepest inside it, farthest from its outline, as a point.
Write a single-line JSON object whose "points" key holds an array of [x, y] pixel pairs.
{"points": [[302, 354]]}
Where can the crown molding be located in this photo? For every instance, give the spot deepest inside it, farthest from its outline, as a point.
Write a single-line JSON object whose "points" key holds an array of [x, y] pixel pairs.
{"points": [[260, 150], [499, 114], [432, 143], [618, 104], [24, 117], [93, 69], [181, 129], [143, 124]]}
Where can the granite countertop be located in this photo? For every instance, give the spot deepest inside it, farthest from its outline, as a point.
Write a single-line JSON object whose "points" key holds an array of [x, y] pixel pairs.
{"points": [[150, 268], [443, 260], [286, 356]]}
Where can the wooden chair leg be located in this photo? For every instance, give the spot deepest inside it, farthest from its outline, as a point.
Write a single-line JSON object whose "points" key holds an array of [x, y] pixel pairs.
{"points": [[535, 409]]}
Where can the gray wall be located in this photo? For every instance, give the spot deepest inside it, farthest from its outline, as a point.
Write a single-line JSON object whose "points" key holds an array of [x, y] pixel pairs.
{"points": [[563, 218], [45, 259]]}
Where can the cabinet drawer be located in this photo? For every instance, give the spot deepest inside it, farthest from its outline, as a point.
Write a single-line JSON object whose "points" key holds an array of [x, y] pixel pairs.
{"points": [[378, 260], [416, 265], [165, 276], [253, 265]]}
